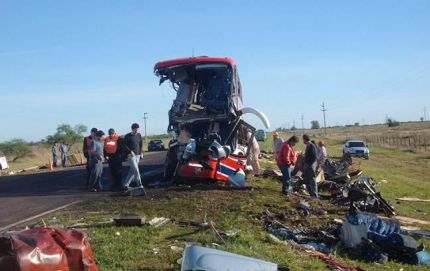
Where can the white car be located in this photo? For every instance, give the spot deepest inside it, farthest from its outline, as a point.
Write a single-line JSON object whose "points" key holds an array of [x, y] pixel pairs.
{"points": [[356, 148]]}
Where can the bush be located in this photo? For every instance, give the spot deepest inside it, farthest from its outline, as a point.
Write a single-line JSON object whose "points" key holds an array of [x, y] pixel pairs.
{"points": [[16, 148], [392, 122], [68, 134], [315, 124]]}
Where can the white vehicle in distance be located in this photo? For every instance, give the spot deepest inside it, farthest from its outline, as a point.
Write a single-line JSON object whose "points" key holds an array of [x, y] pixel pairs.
{"points": [[356, 148], [260, 135]]}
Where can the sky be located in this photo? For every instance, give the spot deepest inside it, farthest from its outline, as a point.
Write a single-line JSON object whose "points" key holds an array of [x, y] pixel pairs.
{"points": [[91, 62]]}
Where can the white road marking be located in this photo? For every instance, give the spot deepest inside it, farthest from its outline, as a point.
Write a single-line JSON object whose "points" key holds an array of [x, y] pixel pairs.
{"points": [[37, 216]]}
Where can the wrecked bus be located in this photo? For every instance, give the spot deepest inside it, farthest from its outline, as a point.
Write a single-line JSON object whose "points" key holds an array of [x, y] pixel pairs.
{"points": [[211, 141]]}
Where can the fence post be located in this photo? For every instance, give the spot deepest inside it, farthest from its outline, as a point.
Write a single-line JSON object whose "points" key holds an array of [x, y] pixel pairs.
{"points": [[425, 143]]}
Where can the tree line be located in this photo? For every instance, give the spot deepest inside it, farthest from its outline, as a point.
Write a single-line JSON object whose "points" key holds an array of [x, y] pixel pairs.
{"points": [[19, 148]]}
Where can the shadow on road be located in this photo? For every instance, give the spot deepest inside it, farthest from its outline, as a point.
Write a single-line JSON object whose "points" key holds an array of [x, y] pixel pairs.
{"points": [[65, 182]]}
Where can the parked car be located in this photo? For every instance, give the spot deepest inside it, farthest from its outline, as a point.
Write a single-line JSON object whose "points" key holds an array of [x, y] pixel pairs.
{"points": [[356, 148], [156, 145], [260, 135]]}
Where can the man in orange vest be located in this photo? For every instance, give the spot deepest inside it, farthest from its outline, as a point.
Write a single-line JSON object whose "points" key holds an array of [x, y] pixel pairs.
{"points": [[113, 156]]}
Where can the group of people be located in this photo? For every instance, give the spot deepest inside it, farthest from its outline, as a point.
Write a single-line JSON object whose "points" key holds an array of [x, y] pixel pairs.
{"points": [[314, 157], [114, 149], [63, 150]]}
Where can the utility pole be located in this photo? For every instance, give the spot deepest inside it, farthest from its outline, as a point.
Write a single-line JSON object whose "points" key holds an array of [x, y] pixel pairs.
{"points": [[144, 121], [425, 109], [323, 110], [303, 127]]}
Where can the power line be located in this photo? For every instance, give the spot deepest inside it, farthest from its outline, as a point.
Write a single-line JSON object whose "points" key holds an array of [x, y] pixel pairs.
{"points": [[144, 120], [303, 127], [324, 110]]}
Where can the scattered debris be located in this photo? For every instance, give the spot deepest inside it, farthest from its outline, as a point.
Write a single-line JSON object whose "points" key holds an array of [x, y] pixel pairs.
{"points": [[215, 231], [202, 258], [310, 250], [343, 170], [176, 249], [94, 224], [129, 220], [304, 207], [380, 239], [46, 249], [270, 172], [158, 221], [361, 193]]}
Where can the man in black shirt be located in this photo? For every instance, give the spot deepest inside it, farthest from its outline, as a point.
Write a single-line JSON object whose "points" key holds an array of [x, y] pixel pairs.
{"points": [[133, 150], [86, 147], [310, 167]]}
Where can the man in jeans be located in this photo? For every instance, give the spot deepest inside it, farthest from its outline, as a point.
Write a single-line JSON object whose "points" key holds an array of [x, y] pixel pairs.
{"points": [[310, 166], [133, 149], [286, 160], [86, 149], [63, 150], [97, 158]]}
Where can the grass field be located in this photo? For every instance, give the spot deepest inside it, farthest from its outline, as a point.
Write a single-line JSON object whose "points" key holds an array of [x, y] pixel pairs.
{"points": [[148, 248]]}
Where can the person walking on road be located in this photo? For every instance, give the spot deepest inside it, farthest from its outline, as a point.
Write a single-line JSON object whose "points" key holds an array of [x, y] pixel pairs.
{"points": [[113, 156], [63, 150], [86, 149], [96, 161], [286, 160], [134, 151], [277, 142], [54, 152], [310, 167]]}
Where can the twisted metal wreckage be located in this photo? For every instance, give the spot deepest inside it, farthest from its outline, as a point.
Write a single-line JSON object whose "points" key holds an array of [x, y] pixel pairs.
{"points": [[211, 141]]}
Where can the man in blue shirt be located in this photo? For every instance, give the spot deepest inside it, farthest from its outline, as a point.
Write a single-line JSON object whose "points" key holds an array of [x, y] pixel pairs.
{"points": [[63, 151], [96, 161]]}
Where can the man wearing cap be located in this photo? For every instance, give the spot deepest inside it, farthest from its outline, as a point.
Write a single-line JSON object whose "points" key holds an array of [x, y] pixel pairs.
{"points": [[310, 166], [96, 161], [133, 149], [86, 151], [277, 142], [112, 155]]}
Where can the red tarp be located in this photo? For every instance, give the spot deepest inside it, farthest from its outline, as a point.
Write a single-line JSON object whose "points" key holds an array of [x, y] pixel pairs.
{"points": [[41, 249]]}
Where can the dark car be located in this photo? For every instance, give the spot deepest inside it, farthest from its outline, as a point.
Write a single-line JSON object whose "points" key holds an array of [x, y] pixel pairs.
{"points": [[156, 145]]}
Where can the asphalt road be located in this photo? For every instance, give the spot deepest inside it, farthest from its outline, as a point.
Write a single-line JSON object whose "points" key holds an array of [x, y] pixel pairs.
{"points": [[25, 196]]}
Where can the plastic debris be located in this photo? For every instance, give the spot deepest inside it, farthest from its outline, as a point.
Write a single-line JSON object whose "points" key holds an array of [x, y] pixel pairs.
{"points": [[202, 258], [158, 221]]}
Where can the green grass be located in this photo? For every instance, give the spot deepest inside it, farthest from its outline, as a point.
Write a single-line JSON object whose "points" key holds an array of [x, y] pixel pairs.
{"points": [[148, 248]]}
